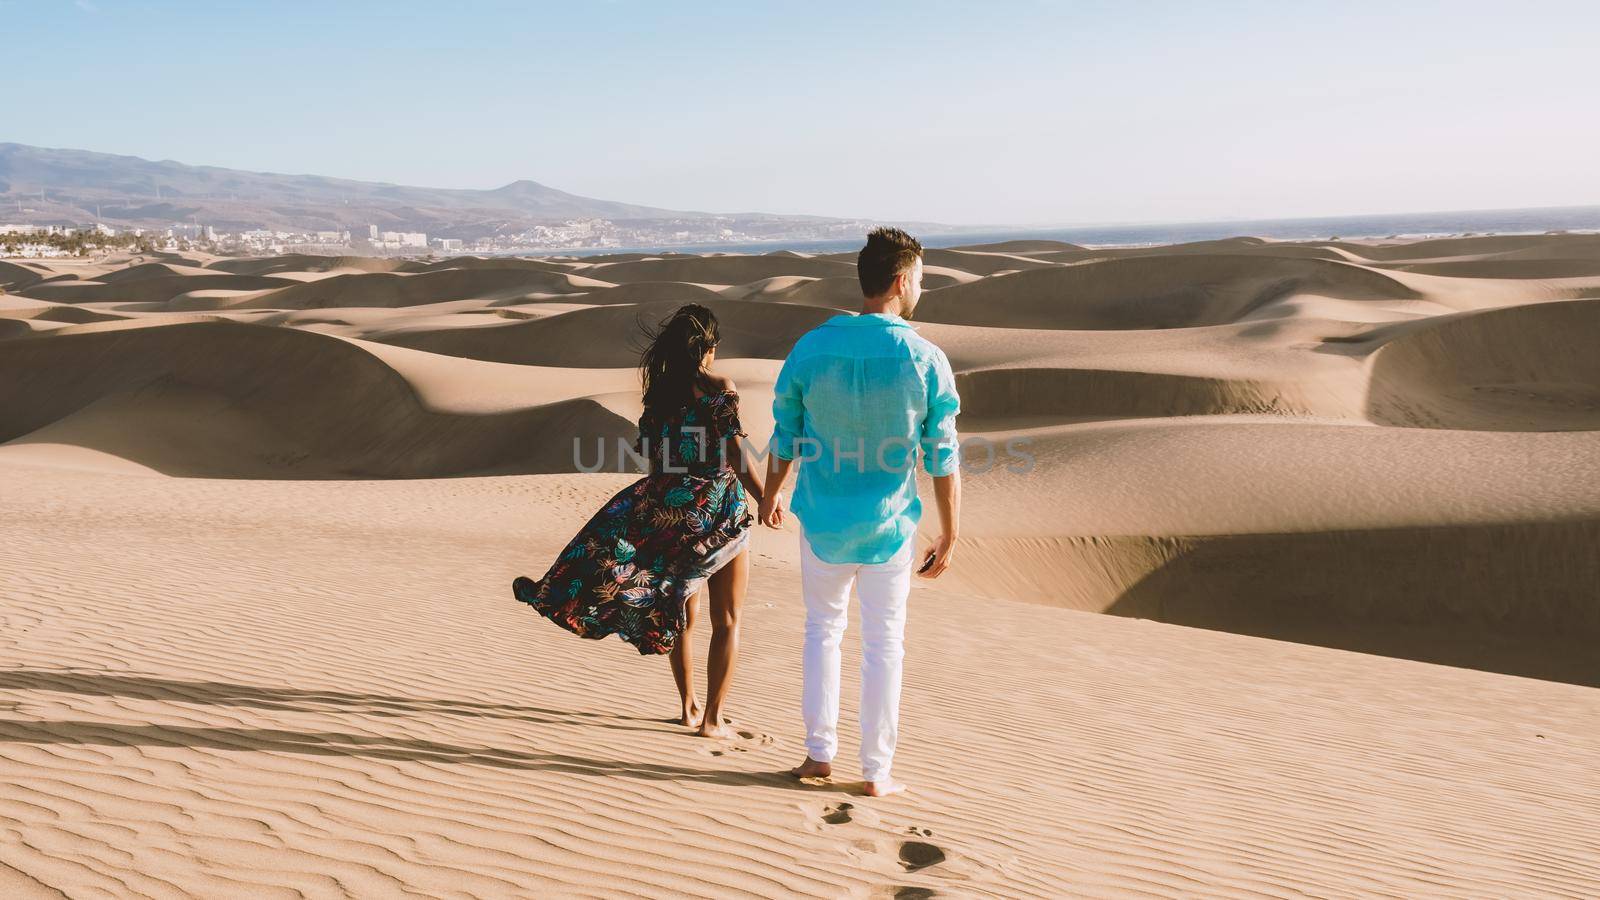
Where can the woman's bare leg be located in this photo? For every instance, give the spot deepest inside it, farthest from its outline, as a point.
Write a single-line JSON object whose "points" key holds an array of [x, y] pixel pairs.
{"points": [[727, 597], [683, 663]]}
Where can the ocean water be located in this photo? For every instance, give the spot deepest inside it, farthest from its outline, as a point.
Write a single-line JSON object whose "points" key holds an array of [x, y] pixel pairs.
{"points": [[1405, 225]]}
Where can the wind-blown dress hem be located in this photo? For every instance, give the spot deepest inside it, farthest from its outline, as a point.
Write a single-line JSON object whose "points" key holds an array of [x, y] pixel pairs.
{"points": [[632, 568]]}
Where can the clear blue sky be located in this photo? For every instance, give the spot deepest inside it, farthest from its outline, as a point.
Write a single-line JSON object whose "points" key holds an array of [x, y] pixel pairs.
{"points": [[970, 113]]}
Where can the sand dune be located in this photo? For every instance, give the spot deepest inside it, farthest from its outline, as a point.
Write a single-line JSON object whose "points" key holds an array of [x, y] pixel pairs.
{"points": [[1482, 246], [300, 262], [845, 289], [1526, 368], [151, 270], [1571, 246], [149, 289], [1026, 246], [592, 259], [1067, 394], [198, 261], [1225, 333], [977, 262], [841, 293], [610, 336], [1507, 268], [206, 299], [935, 277], [1239, 246], [394, 289], [651, 292], [226, 400], [492, 262], [15, 327], [724, 270], [1335, 531], [1208, 329], [58, 312], [14, 277], [296, 670], [778, 287], [1149, 292]]}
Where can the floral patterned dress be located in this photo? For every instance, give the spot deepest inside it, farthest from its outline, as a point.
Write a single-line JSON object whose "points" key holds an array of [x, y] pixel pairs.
{"points": [[633, 567]]}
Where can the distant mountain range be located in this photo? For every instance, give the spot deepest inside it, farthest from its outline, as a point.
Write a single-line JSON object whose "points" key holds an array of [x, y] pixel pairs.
{"points": [[49, 186]]}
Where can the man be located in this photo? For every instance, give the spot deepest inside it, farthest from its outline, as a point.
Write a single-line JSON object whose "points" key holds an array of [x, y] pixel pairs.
{"points": [[855, 400]]}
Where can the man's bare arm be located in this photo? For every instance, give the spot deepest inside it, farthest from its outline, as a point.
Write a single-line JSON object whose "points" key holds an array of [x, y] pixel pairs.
{"points": [[772, 506], [947, 496]]}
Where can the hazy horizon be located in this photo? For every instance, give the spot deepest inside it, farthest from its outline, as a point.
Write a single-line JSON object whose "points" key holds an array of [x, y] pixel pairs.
{"points": [[1022, 114]]}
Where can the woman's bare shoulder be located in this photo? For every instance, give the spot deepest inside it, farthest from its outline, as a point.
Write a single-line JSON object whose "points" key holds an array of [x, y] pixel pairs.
{"points": [[717, 384]]}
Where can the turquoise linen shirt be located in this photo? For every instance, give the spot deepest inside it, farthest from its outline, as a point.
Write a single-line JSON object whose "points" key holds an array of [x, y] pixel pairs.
{"points": [[855, 400]]}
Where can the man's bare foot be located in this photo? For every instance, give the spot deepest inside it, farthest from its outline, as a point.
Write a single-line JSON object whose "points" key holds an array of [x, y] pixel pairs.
{"points": [[812, 769], [692, 716], [882, 788]]}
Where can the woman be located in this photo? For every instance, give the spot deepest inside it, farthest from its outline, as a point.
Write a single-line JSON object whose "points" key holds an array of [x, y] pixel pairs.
{"points": [[638, 568]]}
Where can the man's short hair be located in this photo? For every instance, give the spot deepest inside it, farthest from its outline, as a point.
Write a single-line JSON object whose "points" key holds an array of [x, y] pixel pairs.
{"points": [[889, 251]]}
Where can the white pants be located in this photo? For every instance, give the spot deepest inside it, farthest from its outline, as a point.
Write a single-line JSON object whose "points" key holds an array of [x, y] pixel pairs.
{"points": [[883, 588]]}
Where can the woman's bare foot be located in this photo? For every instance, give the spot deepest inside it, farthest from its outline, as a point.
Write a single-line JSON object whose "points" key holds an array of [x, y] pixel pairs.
{"points": [[812, 769], [692, 716], [711, 728], [882, 788]]}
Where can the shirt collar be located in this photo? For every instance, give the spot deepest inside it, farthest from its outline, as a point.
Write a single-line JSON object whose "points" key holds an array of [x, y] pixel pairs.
{"points": [[875, 320]]}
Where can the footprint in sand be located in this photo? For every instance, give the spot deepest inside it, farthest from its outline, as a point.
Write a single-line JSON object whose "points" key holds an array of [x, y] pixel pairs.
{"points": [[907, 856], [918, 855], [823, 816], [837, 814], [742, 742]]}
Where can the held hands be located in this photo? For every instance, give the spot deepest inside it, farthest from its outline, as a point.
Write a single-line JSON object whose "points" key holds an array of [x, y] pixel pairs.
{"points": [[772, 510], [937, 558]]}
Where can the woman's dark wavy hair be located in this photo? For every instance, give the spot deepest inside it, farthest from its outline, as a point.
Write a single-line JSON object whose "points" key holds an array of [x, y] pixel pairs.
{"points": [[670, 365]]}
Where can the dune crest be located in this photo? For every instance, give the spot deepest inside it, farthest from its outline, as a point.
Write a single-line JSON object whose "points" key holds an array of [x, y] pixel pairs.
{"points": [[1148, 292], [221, 399], [1525, 368]]}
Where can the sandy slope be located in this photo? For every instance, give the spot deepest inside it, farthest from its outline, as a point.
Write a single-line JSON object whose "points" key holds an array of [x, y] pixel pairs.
{"points": [[297, 688], [271, 678]]}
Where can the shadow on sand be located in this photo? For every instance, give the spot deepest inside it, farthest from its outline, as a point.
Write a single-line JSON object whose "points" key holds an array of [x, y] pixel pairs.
{"points": [[218, 693], [391, 748], [1517, 599]]}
